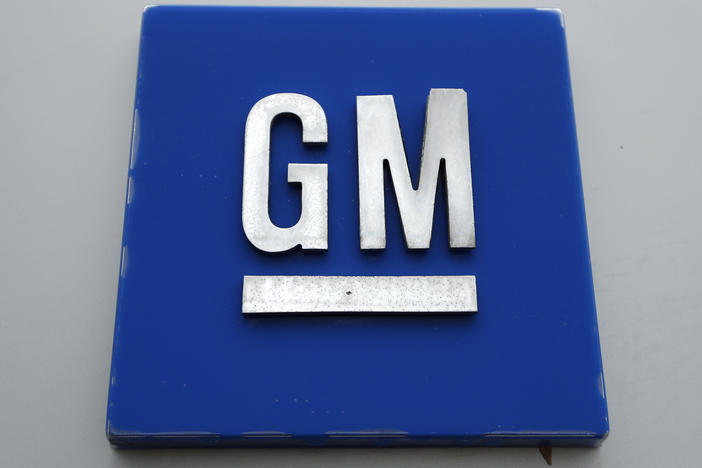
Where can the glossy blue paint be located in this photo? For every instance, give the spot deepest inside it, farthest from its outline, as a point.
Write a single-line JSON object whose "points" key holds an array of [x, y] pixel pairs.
{"points": [[188, 369]]}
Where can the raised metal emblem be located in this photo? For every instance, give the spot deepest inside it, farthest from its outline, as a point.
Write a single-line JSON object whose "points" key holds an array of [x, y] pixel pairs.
{"points": [[445, 143]]}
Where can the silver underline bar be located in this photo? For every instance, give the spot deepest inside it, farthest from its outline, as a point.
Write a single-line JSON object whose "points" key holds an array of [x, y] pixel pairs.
{"points": [[284, 295]]}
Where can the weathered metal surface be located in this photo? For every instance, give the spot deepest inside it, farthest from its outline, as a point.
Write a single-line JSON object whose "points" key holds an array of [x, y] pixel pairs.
{"points": [[310, 232], [445, 139], [264, 295]]}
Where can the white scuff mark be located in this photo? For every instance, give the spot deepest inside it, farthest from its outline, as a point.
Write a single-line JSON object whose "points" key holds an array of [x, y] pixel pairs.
{"points": [[123, 262], [132, 434], [136, 131], [130, 189]]}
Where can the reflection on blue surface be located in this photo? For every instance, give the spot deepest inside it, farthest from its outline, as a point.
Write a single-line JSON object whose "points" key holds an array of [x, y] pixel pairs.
{"points": [[188, 369]]}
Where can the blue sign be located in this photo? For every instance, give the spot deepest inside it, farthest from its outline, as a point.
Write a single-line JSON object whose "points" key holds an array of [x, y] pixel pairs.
{"points": [[354, 227]]}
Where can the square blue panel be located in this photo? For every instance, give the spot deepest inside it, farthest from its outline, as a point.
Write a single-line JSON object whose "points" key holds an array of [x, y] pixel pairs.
{"points": [[188, 369]]}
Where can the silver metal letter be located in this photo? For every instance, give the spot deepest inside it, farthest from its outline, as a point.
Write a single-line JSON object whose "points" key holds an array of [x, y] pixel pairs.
{"points": [[445, 139], [310, 232]]}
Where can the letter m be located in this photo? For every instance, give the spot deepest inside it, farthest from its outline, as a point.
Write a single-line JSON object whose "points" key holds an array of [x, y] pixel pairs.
{"points": [[445, 139]]}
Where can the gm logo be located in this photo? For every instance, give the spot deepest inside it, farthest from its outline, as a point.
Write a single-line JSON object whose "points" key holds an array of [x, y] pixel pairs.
{"points": [[446, 142], [339, 306]]}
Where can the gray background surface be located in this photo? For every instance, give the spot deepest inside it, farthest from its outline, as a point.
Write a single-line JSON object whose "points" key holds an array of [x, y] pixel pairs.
{"points": [[67, 77]]}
